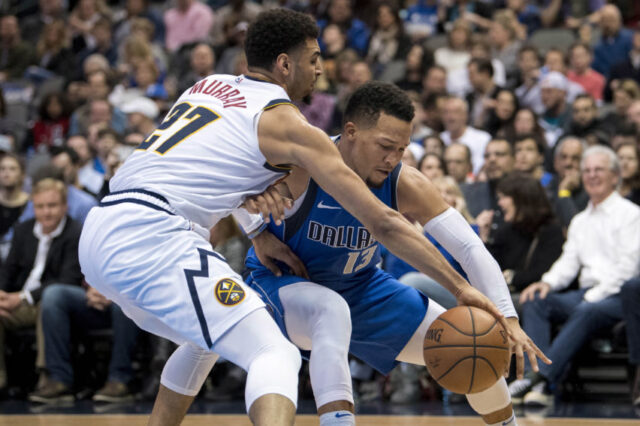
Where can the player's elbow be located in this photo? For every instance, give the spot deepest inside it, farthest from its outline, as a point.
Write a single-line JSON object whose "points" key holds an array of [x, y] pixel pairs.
{"points": [[387, 224]]}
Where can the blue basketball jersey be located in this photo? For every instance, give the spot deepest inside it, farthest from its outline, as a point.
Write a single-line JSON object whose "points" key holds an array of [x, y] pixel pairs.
{"points": [[338, 251]]}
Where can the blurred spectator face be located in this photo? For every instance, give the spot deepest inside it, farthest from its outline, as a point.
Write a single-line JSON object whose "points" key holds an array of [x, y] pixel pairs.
{"points": [[527, 156], [459, 38], [507, 206], [622, 139], [360, 74], [87, 8], [455, 115], [102, 33], [554, 61], [11, 174], [584, 111], [81, 146], [135, 7], [633, 114], [202, 60], [498, 159], [498, 34], [457, 161], [99, 112], [610, 20], [435, 81], [334, 38], [414, 58], [95, 62], [54, 108], [340, 11], [477, 79], [431, 168], [568, 158], [598, 179], [552, 97], [54, 34], [528, 61], [50, 7], [98, 85], [449, 190], [64, 163], [627, 155], [524, 122], [146, 74], [621, 101], [580, 59], [386, 18], [105, 144], [433, 145], [183, 4], [9, 30], [480, 51], [49, 209], [505, 105]]}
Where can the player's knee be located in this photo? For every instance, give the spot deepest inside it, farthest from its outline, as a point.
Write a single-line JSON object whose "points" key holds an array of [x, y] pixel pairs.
{"points": [[334, 315], [280, 354]]}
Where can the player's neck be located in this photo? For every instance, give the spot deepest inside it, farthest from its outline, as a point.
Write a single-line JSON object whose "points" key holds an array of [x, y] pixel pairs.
{"points": [[264, 75]]}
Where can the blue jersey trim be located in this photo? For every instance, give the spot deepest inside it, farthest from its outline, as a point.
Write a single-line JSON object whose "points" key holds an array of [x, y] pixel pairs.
{"points": [[395, 174], [190, 274], [295, 222], [134, 201]]}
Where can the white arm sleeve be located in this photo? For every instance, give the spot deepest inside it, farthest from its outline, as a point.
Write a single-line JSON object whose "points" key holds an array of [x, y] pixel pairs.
{"points": [[249, 222], [456, 236]]}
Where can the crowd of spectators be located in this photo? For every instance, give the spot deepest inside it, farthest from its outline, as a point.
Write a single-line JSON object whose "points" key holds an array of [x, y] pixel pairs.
{"points": [[504, 117]]}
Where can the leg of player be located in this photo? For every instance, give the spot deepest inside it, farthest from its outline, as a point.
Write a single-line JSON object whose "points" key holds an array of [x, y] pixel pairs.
{"points": [[318, 318], [272, 363], [181, 380], [493, 404]]}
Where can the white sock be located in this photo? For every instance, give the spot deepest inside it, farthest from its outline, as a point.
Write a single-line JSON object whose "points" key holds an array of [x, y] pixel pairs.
{"points": [[338, 418], [511, 421]]}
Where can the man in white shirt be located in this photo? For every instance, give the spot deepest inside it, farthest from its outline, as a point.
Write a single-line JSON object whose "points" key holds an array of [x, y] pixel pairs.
{"points": [[603, 247], [455, 118]]}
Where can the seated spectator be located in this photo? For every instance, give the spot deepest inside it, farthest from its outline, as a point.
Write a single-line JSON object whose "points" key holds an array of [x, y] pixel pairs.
{"points": [[553, 93], [141, 113], [633, 115], [482, 97], [434, 81], [15, 54], [629, 157], [388, 42], [340, 13], [44, 251], [456, 54], [189, 21], [70, 309], [457, 160], [82, 19], [13, 199], [503, 36], [238, 10], [566, 191], [68, 161], [138, 9], [421, 19], [481, 197], [627, 68], [455, 117], [501, 115], [625, 93], [604, 250], [433, 145], [530, 239], [580, 72], [458, 83], [615, 42], [529, 154], [431, 165], [630, 296], [556, 60], [528, 92], [53, 124], [54, 57], [102, 42], [97, 111], [418, 60], [202, 64], [78, 202], [48, 11], [584, 120], [528, 14], [88, 176]]}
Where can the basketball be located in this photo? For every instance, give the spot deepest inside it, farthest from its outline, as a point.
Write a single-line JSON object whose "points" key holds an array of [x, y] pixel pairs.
{"points": [[466, 350]]}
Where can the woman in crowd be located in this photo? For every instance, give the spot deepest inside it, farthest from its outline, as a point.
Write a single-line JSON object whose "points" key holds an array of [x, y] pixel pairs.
{"points": [[52, 126], [502, 115], [432, 166], [629, 155], [389, 41]]}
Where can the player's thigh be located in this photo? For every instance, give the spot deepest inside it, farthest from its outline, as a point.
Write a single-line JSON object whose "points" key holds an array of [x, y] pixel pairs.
{"points": [[413, 351], [308, 307]]}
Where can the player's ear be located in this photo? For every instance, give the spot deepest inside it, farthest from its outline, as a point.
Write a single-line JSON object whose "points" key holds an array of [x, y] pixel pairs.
{"points": [[283, 63], [350, 130]]}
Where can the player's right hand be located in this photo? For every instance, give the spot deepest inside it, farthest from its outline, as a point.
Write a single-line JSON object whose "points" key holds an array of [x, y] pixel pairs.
{"points": [[271, 202], [470, 296], [269, 248]]}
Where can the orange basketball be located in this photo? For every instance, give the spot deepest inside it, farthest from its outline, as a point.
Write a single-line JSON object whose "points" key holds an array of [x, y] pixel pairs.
{"points": [[466, 350]]}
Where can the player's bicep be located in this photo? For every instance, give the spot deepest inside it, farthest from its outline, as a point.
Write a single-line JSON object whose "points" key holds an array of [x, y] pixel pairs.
{"points": [[418, 198]]}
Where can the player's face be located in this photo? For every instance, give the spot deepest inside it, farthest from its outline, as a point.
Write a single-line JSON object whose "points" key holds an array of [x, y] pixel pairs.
{"points": [[306, 69], [379, 149]]}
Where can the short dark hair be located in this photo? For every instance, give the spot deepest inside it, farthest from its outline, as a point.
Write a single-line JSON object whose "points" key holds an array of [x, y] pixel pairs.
{"points": [[483, 65], [73, 155], [533, 208], [369, 100], [275, 32], [540, 144]]}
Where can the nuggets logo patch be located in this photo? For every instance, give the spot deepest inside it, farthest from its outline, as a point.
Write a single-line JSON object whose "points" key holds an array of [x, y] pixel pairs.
{"points": [[229, 292]]}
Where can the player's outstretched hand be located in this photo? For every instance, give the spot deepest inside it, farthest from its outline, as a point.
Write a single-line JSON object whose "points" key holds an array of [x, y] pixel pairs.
{"points": [[269, 248], [520, 343], [272, 202]]}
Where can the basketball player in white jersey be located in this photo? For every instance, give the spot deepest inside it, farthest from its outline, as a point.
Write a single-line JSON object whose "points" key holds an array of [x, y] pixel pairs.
{"points": [[226, 138]]}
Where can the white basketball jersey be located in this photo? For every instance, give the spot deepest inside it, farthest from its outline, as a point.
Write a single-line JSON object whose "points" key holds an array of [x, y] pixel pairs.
{"points": [[204, 157]]}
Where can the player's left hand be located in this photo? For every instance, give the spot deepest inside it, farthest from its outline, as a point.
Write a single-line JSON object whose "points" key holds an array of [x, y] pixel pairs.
{"points": [[269, 248], [271, 202], [520, 343]]}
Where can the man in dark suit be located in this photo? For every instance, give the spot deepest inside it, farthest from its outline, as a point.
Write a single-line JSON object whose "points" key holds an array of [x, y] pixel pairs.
{"points": [[44, 250]]}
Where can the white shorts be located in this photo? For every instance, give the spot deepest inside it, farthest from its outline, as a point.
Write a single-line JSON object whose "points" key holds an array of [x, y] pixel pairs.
{"points": [[164, 275]]}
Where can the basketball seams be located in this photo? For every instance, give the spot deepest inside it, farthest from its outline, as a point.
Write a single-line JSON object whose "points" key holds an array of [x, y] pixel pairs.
{"points": [[466, 346], [495, 373], [473, 367], [455, 364], [488, 330], [450, 324]]}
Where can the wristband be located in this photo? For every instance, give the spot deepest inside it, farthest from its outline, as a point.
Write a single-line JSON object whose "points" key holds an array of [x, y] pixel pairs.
{"points": [[251, 235], [564, 193]]}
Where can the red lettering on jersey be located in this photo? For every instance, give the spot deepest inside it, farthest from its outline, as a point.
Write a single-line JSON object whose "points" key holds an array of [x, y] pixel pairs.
{"points": [[220, 91], [197, 88], [237, 102], [227, 95], [214, 84]]}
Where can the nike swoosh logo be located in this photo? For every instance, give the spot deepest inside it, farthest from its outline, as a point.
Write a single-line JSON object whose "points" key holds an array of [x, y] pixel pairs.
{"points": [[338, 415], [321, 205]]}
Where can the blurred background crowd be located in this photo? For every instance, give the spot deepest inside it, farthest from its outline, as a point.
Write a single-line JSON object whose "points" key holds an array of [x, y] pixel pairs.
{"points": [[509, 94]]}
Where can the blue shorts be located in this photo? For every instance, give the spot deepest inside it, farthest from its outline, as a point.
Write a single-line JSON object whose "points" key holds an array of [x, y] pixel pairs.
{"points": [[384, 313]]}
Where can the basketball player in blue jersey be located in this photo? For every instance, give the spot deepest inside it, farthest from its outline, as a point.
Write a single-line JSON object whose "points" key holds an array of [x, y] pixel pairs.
{"points": [[348, 304], [225, 139]]}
